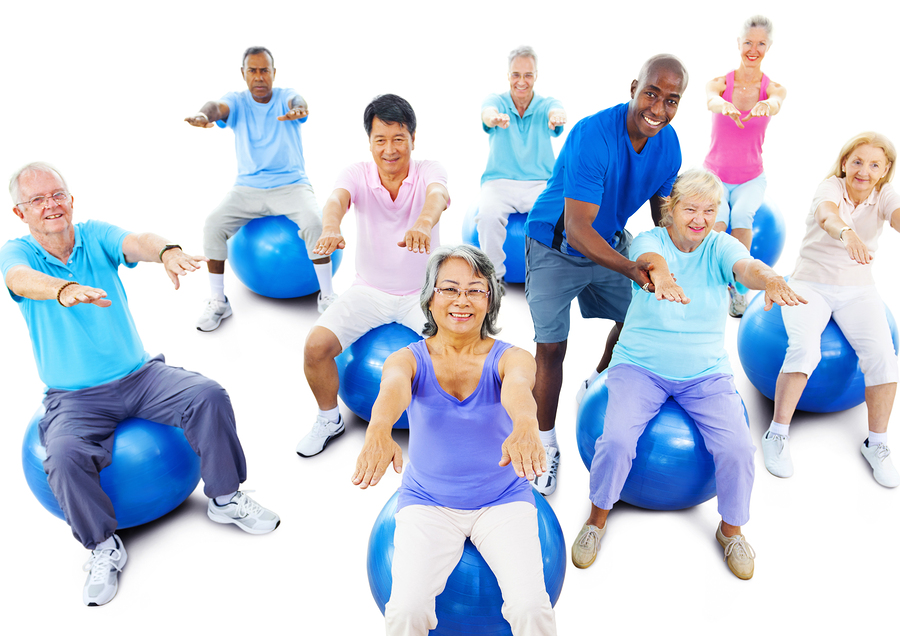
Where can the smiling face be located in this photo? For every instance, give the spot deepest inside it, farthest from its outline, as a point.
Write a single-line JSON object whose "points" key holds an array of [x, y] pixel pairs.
{"points": [[692, 221], [463, 314], [522, 75], [259, 73], [864, 166], [391, 146], [50, 218], [654, 102], [753, 47]]}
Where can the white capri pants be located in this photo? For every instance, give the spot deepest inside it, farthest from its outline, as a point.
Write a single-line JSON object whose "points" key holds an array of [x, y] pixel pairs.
{"points": [[428, 543], [858, 311], [500, 198], [362, 308], [242, 204]]}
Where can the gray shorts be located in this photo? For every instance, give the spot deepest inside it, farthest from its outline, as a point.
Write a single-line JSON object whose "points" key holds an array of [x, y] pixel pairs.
{"points": [[553, 279], [242, 204]]}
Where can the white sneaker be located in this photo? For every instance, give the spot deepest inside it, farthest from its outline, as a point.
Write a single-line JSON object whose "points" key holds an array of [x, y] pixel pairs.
{"points": [[738, 303], [317, 439], [103, 574], [214, 313], [245, 513], [777, 454], [326, 301], [879, 458], [546, 483]]}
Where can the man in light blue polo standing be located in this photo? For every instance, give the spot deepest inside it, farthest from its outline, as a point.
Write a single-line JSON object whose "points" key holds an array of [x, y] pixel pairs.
{"points": [[520, 125]]}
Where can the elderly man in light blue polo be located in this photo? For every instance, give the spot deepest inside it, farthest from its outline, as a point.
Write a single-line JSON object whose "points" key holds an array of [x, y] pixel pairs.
{"points": [[520, 125]]}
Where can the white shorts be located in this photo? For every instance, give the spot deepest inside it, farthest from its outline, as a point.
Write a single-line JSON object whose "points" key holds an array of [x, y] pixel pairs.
{"points": [[362, 308]]}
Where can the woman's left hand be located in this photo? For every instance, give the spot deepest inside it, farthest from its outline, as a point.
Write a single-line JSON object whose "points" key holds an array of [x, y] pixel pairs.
{"points": [[778, 292], [668, 289], [523, 449]]}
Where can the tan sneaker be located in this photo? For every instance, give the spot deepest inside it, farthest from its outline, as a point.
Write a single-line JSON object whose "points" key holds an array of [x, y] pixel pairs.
{"points": [[738, 554], [586, 545]]}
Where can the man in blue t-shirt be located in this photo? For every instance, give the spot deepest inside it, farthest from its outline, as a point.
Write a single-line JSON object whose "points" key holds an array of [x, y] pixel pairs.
{"points": [[271, 176], [576, 244], [520, 124], [64, 277]]}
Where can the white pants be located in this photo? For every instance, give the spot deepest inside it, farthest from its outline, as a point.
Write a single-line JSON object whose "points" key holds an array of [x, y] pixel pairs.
{"points": [[362, 308], [858, 311], [499, 199], [428, 543]]}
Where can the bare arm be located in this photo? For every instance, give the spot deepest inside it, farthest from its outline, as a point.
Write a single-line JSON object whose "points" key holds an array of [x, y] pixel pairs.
{"points": [[754, 274], [829, 219], [771, 105], [491, 117], [332, 214], [210, 113], [298, 109], [656, 205], [29, 283], [418, 237], [523, 448], [146, 248], [718, 104], [663, 281], [581, 235], [380, 450]]}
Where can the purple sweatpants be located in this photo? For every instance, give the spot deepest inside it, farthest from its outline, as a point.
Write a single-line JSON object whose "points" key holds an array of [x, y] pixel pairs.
{"points": [[77, 431], [635, 397]]}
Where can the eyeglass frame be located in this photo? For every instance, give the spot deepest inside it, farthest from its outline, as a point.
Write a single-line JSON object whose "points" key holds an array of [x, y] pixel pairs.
{"points": [[478, 292], [43, 204]]}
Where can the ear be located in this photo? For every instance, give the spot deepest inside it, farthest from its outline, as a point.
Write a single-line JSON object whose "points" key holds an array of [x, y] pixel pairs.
{"points": [[634, 85], [412, 145], [18, 213]]}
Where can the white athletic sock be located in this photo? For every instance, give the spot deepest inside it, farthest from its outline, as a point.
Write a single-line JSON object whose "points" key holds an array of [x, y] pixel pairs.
{"points": [[548, 438], [224, 499], [877, 438], [217, 286], [593, 376], [323, 275], [332, 415], [779, 429], [108, 544]]}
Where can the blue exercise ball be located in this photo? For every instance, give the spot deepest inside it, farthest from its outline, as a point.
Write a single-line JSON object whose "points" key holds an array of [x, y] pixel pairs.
{"points": [[837, 384], [360, 365], [513, 246], [471, 600], [672, 470], [270, 258], [153, 470], [768, 234]]}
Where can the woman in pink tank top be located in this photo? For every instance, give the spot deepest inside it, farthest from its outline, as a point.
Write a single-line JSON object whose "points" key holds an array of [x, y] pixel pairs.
{"points": [[742, 102]]}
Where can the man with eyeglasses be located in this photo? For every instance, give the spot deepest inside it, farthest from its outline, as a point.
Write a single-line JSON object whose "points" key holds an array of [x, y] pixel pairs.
{"points": [[64, 277], [519, 124], [398, 204], [271, 176], [576, 244]]}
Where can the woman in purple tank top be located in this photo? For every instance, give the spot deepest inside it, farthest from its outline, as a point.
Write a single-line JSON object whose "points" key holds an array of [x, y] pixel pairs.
{"points": [[742, 102], [474, 448]]}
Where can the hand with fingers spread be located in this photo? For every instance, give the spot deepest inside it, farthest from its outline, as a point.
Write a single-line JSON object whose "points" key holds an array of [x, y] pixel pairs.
{"points": [[177, 263], [378, 452]]}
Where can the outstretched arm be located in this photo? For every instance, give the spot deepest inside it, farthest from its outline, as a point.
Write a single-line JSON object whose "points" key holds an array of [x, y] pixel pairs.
{"points": [[491, 117], [717, 104], [29, 283], [523, 448], [148, 248], [379, 450], [658, 271], [829, 219], [418, 237], [298, 109], [754, 274], [771, 105], [210, 113], [332, 214]]}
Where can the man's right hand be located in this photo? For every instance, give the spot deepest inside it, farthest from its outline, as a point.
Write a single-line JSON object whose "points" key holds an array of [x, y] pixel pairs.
{"points": [[328, 242], [81, 294], [498, 119], [199, 120]]}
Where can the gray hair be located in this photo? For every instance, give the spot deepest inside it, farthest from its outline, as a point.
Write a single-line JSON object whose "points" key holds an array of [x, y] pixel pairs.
{"points": [[694, 183], [758, 22], [34, 166], [481, 265], [522, 51]]}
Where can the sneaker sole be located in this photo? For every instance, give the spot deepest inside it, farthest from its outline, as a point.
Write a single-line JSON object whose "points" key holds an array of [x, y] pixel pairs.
{"points": [[335, 436], [228, 520], [227, 314], [583, 566]]}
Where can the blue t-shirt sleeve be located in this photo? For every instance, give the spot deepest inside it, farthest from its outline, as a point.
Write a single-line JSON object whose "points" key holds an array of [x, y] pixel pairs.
{"points": [[14, 253], [110, 238], [666, 188], [645, 242], [729, 251], [587, 163], [230, 100]]}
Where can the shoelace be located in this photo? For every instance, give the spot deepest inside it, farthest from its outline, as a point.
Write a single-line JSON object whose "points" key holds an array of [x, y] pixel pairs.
{"points": [[246, 506], [211, 308], [100, 564], [589, 539], [882, 451], [322, 427], [778, 438], [740, 547]]}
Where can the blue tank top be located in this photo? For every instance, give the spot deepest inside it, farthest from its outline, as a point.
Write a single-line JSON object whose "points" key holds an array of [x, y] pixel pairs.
{"points": [[454, 446]]}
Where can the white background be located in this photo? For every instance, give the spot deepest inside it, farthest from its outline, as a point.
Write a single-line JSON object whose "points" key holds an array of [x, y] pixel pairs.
{"points": [[100, 90]]}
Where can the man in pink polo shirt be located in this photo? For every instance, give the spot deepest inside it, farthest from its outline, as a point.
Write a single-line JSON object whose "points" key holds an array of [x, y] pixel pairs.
{"points": [[398, 205]]}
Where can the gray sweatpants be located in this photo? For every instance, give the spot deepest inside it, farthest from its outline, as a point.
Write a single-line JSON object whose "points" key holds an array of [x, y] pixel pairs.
{"points": [[78, 428]]}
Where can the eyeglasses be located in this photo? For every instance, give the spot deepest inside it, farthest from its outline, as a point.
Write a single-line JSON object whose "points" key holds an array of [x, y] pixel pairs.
{"points": [[42, 201], [516, 76], [452, 293]]}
